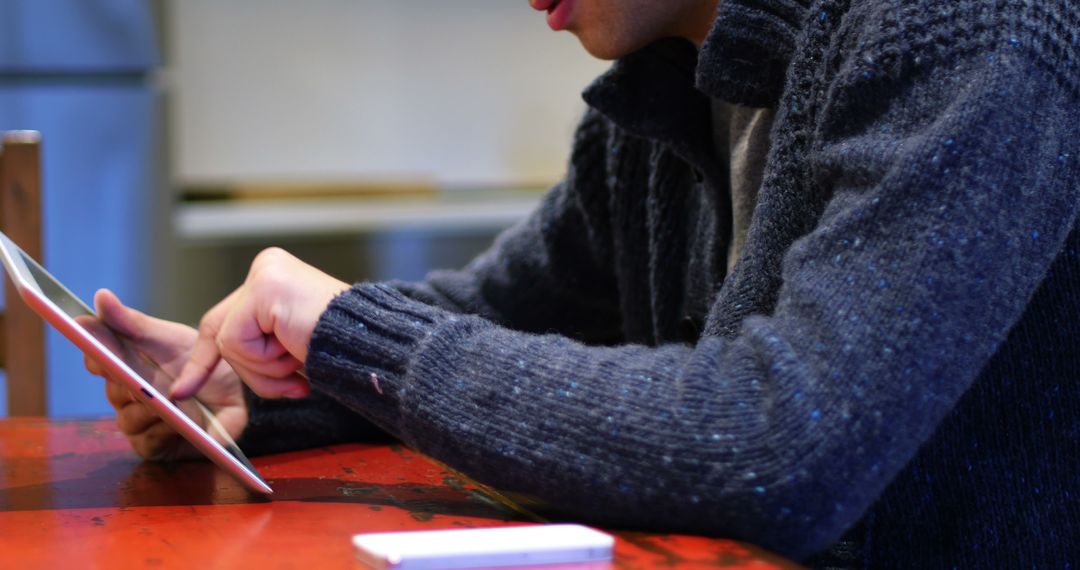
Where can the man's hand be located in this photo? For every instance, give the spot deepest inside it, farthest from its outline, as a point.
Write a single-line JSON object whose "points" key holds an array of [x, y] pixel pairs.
{"points": [[263, 328], [169, 346]]}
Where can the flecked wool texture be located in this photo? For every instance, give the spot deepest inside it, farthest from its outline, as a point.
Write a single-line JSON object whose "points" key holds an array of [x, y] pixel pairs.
{"points": [[887, 378]]}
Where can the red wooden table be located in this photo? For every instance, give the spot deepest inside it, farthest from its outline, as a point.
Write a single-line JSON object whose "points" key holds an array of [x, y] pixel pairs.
{"points": [[73, 495]]}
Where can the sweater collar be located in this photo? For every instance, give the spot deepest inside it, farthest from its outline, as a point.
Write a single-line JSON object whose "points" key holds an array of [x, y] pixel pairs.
{"points": [[745, 57], [664, 90], [650, 93]]}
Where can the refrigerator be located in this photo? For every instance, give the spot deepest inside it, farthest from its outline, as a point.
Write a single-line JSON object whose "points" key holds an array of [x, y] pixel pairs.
{"points": [[85, 74]]}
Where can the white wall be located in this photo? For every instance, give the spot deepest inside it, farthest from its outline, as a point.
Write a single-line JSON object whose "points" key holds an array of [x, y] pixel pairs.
{"points": [[463, 92]]}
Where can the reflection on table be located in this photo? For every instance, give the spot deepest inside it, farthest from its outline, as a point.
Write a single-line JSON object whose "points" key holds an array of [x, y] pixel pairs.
{"points": [[72, 494]]}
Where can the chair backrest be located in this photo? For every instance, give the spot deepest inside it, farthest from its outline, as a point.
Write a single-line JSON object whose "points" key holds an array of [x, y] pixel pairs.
{"points": [[22, 333]]}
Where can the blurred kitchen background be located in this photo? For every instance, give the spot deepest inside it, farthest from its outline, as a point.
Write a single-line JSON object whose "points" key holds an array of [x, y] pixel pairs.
{"points": [[373, 138]]}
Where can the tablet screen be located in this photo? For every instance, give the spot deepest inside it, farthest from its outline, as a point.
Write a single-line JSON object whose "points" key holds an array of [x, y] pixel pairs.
{"points": [[74, 308]]}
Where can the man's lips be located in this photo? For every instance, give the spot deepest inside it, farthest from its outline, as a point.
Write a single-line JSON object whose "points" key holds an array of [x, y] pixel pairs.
{"points": [[543, 5], [559, 12]]}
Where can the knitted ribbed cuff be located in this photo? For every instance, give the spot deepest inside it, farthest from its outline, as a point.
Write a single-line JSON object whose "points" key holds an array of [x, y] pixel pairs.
{"points": [[362, 346]]}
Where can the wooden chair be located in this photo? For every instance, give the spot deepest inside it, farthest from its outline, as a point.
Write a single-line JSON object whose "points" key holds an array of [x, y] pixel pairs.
{"points": [[22, 332]]}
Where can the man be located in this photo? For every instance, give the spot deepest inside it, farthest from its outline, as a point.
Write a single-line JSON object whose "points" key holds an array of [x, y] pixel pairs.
{"points": [[810, 282]]}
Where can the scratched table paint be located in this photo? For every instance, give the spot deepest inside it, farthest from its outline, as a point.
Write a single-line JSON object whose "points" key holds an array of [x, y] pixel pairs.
{"points": [[73, 495]]}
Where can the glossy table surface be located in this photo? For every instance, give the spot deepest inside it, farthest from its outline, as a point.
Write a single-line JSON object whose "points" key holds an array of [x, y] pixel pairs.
{"points": [[73, 495]]}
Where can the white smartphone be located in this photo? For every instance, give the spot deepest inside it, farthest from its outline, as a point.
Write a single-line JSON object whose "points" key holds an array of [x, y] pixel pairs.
{"points": [[484, 547], [60, 308]]}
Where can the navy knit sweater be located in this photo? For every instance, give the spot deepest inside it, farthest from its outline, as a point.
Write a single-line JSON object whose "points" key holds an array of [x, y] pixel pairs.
{"points": [[891, 368]]}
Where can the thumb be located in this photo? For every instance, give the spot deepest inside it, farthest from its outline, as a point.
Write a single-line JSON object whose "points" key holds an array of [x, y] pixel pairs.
{"points": [[161, 340], [117, 316]]}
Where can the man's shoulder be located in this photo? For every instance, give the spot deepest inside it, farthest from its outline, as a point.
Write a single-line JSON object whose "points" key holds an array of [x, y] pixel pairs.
{"points": [[971, 24], [909, 34]]}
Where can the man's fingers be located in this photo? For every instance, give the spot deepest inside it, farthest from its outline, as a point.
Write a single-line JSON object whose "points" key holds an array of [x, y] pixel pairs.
{"points": [[291, 386], [250, 345], [159, 339], [243, 342], [204, 358], [205, 355], [136, 418], [92, 366], [101, 332], [122, 319], [118, 395], [283, 366]]}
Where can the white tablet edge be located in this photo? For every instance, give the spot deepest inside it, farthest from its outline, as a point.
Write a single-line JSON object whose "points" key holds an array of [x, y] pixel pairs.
{"points": [[14, 259]]}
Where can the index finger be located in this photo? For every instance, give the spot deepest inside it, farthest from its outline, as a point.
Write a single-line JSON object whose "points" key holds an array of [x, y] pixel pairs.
{"points": [[205, 354]]}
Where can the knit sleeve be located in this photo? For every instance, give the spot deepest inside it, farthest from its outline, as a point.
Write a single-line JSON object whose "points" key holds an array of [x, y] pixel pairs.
{"points": [[277, 426], [550, 272], [951, 197]]}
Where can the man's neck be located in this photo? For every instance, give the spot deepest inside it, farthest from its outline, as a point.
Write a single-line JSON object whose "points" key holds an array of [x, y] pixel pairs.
{"points": [[698, 26]]}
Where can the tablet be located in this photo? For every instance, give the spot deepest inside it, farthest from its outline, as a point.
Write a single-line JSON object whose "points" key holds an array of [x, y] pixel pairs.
{"points": [[60, 308]]}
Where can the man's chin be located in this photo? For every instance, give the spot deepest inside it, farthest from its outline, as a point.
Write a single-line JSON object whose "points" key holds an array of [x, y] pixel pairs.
{"points": [[606, 48]]}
